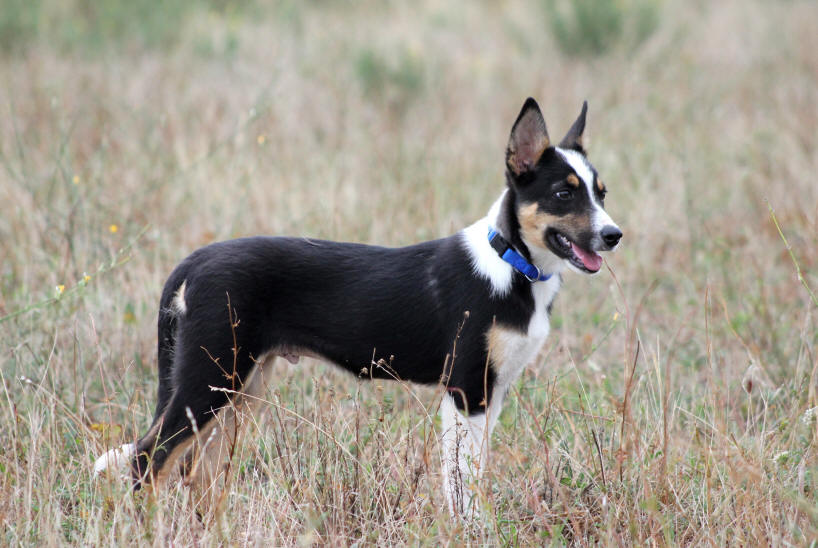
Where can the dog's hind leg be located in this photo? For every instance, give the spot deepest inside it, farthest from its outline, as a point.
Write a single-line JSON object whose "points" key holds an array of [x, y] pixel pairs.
{"points": [[203, 382], [207, 463]]}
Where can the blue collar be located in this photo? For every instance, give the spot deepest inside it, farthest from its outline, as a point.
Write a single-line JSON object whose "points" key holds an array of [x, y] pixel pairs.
{"points": [[509, 255]]}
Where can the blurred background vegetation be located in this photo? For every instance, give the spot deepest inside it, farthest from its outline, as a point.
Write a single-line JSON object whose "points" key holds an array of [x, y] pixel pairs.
{"points": [[580, 27], [133, 132]]}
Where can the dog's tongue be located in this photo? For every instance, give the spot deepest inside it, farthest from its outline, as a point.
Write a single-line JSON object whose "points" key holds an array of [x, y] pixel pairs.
{"points": [[591, 260]]}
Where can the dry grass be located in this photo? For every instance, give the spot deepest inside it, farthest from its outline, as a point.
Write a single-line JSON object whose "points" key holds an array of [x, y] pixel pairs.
{"points": [[675, 401]]}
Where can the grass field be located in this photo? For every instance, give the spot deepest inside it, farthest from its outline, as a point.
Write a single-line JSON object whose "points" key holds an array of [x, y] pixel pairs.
{"points": [[675, 401]]}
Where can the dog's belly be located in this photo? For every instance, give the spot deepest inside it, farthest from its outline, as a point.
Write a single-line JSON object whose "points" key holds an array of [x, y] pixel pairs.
{"points": [[362, 354]]}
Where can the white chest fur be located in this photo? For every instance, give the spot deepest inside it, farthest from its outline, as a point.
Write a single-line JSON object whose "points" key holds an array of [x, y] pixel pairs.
{"points": [[511, 350]]}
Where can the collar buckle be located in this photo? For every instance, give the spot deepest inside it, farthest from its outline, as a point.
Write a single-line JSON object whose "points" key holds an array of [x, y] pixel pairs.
{"points": [[498, 243], [538, 277]]}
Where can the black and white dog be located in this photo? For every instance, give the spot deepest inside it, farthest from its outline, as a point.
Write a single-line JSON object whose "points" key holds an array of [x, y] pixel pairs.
{"points": [[468, 311]]}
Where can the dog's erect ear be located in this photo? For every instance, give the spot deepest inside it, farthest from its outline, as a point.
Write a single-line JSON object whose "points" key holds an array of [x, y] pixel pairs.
{"points": [[573, 139], [529, 138]]}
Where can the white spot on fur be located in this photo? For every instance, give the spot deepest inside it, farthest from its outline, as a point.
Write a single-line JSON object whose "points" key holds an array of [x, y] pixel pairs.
{"points": [[178, 304], [115, 459], [485, 261]]}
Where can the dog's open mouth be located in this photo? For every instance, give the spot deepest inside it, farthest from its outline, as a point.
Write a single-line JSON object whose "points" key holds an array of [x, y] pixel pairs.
{"points": [[584, 259]]}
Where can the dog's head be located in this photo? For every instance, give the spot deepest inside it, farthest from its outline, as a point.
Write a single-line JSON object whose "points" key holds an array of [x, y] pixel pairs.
{"points": [[558, 194]]}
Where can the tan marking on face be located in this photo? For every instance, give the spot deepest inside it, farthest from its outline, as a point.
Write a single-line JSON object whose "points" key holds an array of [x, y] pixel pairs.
{"points": [[573, 180], [533, 223], [600, 185]]}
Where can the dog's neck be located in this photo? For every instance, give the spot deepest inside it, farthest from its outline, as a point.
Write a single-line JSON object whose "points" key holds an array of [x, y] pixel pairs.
{"points": [[503, 217], [506, 222]]}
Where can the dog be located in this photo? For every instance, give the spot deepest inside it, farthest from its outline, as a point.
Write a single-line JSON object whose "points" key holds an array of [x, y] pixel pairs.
{"points": [[469, 311]]}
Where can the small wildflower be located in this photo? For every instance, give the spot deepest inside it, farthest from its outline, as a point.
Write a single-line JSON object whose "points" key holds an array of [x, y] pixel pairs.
{"points": [[86, 278], [75, 179], [616, 316], [809, 415], [261, 139], [783, 457], [60, 289], [129, 316], [113, 229]]}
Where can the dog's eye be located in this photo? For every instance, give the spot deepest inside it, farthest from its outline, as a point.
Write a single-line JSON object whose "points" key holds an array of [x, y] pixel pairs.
{"points": [[563, 195]]}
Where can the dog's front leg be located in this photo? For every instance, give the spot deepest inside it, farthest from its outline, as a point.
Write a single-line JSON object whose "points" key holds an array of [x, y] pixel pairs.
{"points": [[464, 443]]}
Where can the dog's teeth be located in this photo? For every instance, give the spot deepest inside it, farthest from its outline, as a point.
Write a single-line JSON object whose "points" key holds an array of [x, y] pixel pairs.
{"points": [[562, 239]]}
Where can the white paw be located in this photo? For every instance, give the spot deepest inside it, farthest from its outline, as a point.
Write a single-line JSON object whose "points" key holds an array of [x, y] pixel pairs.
{"points": [[115, 459]]}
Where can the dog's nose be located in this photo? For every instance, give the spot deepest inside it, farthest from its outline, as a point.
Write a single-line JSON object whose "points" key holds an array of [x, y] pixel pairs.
{"points": [[610, 235]]}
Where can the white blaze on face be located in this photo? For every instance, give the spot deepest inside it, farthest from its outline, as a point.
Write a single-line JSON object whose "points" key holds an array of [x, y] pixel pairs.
{"points": [[578, 162]]}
